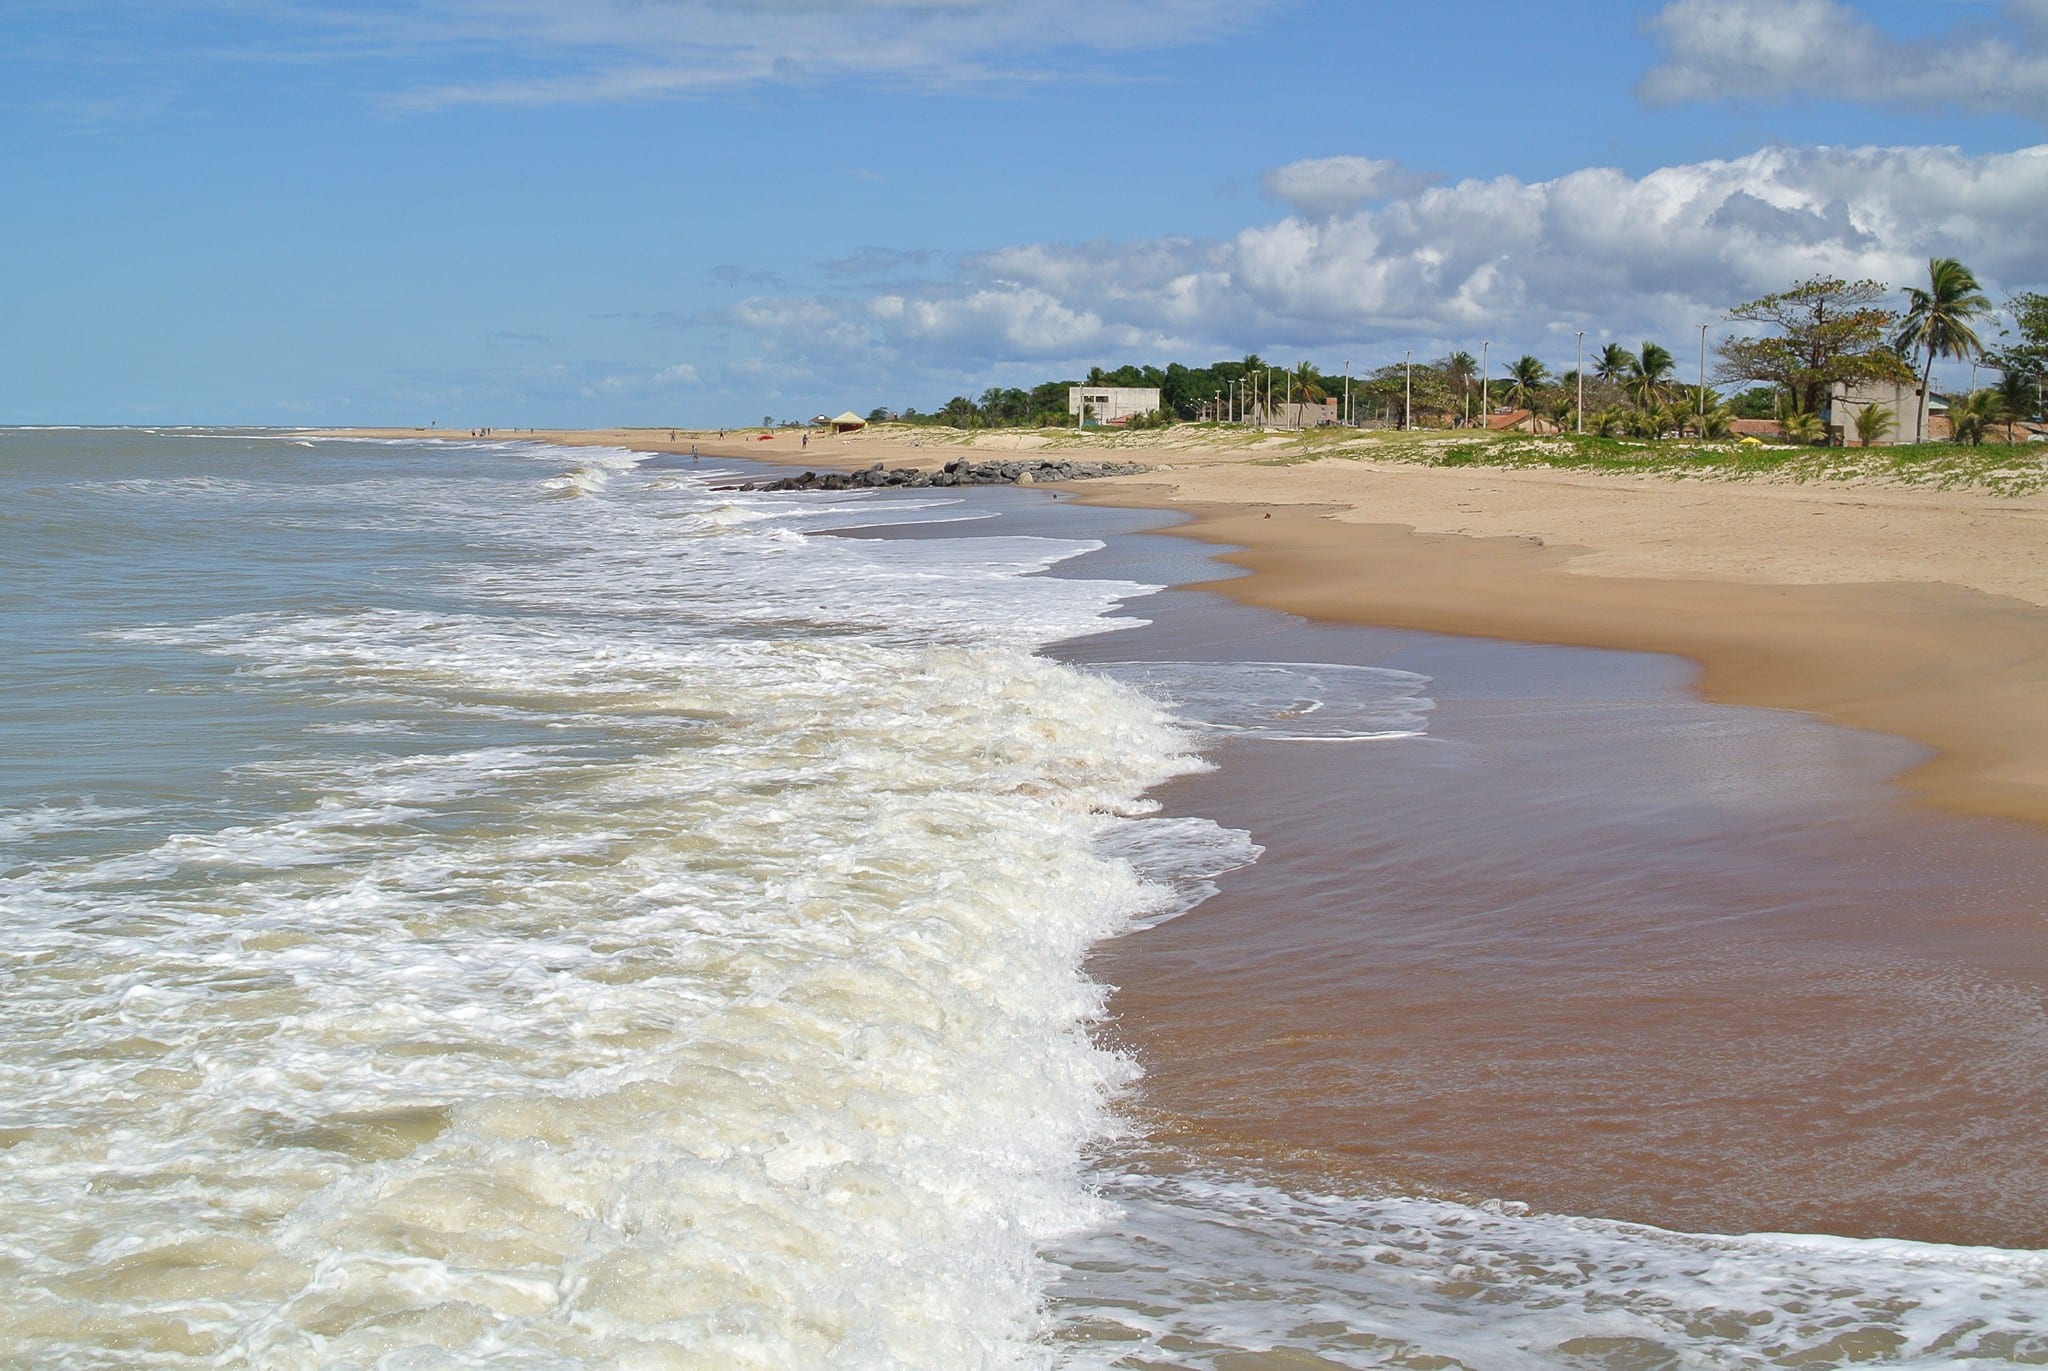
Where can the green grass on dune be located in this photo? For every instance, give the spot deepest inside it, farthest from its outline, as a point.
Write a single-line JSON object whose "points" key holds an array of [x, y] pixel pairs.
{"points": [[1999, 468], [2003, 469]]}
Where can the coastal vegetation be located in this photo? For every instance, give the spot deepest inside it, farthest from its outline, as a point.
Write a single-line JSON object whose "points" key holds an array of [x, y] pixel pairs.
{"points": [[1818, 337]]}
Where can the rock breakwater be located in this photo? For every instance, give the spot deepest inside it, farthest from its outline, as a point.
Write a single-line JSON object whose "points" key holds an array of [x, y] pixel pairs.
{"points": [[955, 473]]}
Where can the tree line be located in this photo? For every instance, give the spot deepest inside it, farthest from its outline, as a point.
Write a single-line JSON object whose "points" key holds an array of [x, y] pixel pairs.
{"points": [[1819, 332]]}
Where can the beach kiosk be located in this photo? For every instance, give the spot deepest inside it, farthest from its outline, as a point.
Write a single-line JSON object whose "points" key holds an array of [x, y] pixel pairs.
{"points": [[848, 422]]}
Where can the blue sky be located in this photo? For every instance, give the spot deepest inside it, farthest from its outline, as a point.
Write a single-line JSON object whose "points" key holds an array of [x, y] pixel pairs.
{"points": [[696, 212]]}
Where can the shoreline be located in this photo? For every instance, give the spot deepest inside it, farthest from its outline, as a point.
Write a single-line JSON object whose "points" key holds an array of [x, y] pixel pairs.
{"points": [[1909, 611]]}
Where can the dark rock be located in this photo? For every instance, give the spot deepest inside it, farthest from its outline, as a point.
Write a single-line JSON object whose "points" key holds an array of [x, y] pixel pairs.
{"points": [[958, 472]]}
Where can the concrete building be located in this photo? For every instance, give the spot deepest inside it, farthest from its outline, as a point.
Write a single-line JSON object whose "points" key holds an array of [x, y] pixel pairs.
{"points": [[1111, 404], [1299, 414], [1845, 402]]}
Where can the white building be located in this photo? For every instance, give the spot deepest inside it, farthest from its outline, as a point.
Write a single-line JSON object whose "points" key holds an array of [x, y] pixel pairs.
{"points": [[1111, 404], [1846, 402]]}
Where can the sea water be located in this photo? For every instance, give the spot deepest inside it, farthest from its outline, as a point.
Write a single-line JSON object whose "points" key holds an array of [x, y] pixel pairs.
{"points": [[489, 903]]}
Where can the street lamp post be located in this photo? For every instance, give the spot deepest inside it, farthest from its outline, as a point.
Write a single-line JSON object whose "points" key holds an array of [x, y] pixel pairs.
{"points": [[1347, 392], [1581, 374], [1407, 388], [1703, 381], [1485, 374]]}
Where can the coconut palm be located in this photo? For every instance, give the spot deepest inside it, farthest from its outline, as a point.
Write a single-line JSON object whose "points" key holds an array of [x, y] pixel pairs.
{"points": [[1609, 422], [1525, 379], [1938, 320], [1975, 415], [1804, 427], [1874, 424], [1459, 370], [1613, 363], [1646, 373], [1561, 407], [1307, 384], [2017, 398]]}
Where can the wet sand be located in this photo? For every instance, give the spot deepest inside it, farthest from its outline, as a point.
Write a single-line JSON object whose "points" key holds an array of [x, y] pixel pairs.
{"points": [[1599, 947]]}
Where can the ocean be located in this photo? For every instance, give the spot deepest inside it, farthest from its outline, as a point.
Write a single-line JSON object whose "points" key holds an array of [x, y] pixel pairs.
{"points": [[488, 903]]}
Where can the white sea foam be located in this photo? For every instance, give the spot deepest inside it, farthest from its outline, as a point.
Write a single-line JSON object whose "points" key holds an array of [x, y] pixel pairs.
{"points": [[1199, 1270], [732, 1017], [1180, 859], [1286, 701]]}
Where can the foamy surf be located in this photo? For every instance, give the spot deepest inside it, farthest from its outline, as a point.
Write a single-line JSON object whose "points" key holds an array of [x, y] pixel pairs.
{"points": [[660, 944], [1324, 1279]]}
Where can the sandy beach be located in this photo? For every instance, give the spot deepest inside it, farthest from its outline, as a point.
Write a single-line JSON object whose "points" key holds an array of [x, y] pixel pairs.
{"points": [[1912, 611]]}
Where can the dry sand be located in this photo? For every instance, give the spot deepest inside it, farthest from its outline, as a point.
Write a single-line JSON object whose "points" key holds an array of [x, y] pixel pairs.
{"points": [[1911, 611]]}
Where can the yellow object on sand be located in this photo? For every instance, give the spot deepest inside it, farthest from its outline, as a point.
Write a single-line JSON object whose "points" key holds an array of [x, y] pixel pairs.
{"points": [[1751, 442]]}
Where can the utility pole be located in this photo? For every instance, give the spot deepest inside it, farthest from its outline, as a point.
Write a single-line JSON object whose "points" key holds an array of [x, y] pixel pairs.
{"points": [[1703, 380], [1407, 388], [1581, 373], [1347, 392], [1485, 374]]}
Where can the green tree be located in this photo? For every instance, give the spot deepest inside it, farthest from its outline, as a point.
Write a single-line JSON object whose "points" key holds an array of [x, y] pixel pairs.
{"points": [[1609, 422], [1826, 330], [1973, 417], [1646, 375], [1804, 426], [1306, 384], [1758, 402], [1460, 370], [2023, 349], [2019, 395], [1939, 320], [1614, 364], [1526, 379], [1874, 424]]}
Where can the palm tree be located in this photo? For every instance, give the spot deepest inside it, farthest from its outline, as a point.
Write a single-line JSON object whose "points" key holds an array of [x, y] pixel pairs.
{"points": [[1308, 384], [1976, 414], [1613, 363], [1804, 427], [1938, 320], [1525, 378], [1646, 375], [1459, 369], [1874, 424], [1610, 421], [2017, 398]]}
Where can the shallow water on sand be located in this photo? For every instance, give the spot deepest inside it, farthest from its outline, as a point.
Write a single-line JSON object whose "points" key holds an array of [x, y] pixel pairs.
{"points": [[1593, 945]]}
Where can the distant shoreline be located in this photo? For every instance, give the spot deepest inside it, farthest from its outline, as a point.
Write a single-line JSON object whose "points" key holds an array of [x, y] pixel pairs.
{"points": [[1903, 609]]}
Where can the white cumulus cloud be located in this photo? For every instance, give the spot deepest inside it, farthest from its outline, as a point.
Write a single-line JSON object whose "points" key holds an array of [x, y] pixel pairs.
{"points": [[1524, 264], [1798, 49], [1319, 187]]}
